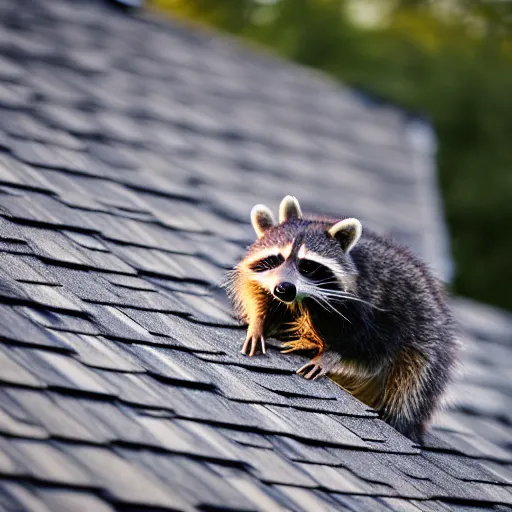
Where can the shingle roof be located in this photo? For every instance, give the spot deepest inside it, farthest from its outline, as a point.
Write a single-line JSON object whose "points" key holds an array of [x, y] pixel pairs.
{"points": [[132, 152]]}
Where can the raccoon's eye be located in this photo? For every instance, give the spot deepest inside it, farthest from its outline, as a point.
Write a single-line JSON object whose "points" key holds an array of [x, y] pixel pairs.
{"points": [[315, 271], [267, 263], [308, 267]]}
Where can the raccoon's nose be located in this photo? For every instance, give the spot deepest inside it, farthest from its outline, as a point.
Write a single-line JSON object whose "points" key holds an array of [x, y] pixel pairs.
{"points": [[285, 291]]}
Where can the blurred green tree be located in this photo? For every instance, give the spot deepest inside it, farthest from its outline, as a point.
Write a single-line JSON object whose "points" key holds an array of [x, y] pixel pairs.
{"points": [[449, 59]]}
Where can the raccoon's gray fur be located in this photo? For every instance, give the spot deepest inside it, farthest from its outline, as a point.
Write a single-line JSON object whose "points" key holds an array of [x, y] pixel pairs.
{"points": [[374, 315]]}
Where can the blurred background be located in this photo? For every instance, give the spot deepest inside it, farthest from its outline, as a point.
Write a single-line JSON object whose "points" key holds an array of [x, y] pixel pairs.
{"points": [[449, 61]]}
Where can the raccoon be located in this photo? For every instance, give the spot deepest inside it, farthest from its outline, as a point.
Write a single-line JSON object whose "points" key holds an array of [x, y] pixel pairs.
{"points": [[372, 314]]}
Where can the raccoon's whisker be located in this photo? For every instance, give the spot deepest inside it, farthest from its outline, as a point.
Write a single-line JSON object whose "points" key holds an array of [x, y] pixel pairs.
{"points": [[326, 280], [320, 303], [341, 298], [342, 292], [334, 310], [333, 295], [326, 305], [320, 284]]}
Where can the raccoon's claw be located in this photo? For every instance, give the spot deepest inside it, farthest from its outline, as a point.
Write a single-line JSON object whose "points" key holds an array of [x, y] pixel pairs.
{"points": [[311, 371], [301, 344], [253, 345], [289, 346]]}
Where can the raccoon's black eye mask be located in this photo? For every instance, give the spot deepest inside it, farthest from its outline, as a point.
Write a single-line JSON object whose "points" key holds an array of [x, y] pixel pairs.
{"points": [[316, 271], [267, 263]]}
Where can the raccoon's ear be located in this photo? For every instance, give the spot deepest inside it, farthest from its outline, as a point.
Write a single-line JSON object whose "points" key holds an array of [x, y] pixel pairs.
{"points": [[289, 208], [347, 232], [261, 219]]}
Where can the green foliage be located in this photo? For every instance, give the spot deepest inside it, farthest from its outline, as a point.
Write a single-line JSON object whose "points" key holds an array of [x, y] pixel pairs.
{"points": [[455, 66]]}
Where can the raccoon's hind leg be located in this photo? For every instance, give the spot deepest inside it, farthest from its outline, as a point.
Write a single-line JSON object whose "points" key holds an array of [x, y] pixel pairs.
{"points": [[411, 394]]}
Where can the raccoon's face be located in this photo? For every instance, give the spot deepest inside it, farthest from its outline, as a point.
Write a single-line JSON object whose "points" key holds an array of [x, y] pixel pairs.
{"points": [[300, 259], [286, 277], [294, 270]]}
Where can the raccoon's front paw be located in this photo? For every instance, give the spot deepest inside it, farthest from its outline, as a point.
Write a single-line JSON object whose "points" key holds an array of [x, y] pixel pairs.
{"points": [[319, 366], [300, 344], [254, 344], [311, 370]]}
